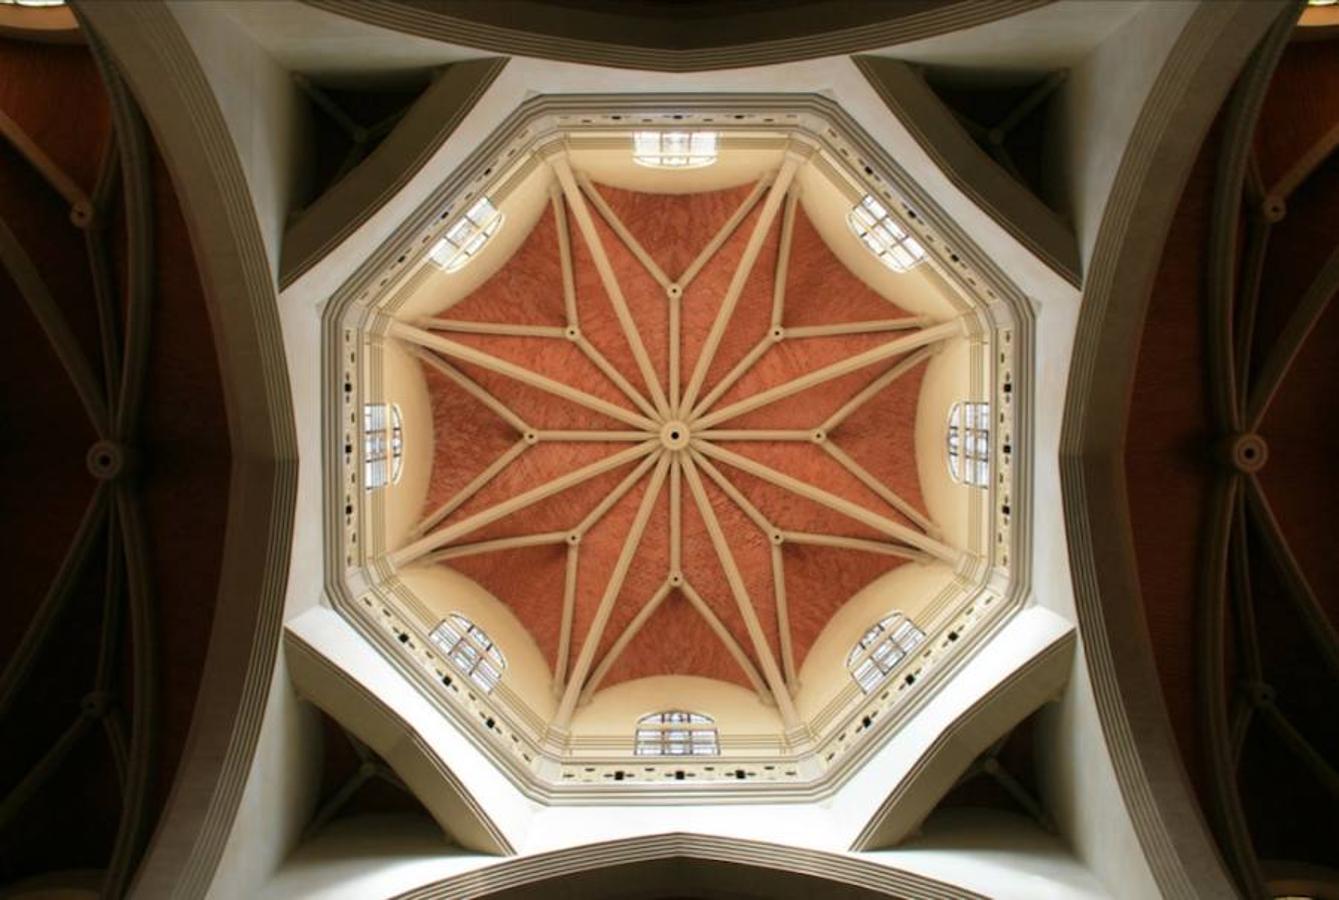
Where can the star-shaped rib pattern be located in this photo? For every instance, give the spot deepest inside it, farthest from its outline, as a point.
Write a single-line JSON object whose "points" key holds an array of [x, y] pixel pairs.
{"points": [[559, 486]]}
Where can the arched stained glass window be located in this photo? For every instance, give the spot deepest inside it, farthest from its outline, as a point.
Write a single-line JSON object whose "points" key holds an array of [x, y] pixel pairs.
{"points": [[881, 648], [674, 149], [969, 442], [885, 238], [677, 733], [470, 650], [466, 236]]}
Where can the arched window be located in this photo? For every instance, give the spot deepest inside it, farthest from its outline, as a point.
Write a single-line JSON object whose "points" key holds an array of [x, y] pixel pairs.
{"points": [[881, 648], [885, 238], [969, 442], [397, 444], [383, 444], [470, 650], [674, 149], [466, 236], [677, 733]]}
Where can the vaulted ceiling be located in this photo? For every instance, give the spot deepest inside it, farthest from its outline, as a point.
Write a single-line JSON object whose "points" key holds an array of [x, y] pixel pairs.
{"points": [[1237, 562], [818, 292], [118, 450]]}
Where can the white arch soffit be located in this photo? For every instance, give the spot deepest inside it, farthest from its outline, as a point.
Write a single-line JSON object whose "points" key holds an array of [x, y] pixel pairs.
{"points": [[835, 78], [334, 667], [403, 856], [1025, 664], [552, 867]]}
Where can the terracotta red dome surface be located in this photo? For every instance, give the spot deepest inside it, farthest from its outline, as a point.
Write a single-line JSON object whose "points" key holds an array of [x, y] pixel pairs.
{"points": [[819, 290]]}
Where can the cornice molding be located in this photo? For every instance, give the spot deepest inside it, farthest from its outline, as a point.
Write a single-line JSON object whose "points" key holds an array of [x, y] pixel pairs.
{"points": [[540, 874], [722, 43], [1185, 98], [170, 86]]}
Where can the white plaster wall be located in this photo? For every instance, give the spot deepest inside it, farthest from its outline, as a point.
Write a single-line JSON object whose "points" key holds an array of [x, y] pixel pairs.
{"points": [[280, 795], [906, 589], [445, 590], [1101, 101], [1098, 105], [330, 47], [1055, 36], [994, 854], [369, 856], [1077, 780], [329, 635], [264, 109], [999, 854], [266, 120], [832, 825], [1023, 637]]}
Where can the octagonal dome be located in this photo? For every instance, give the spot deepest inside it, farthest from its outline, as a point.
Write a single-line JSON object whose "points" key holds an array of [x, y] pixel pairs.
{"points": [[679, 416]]}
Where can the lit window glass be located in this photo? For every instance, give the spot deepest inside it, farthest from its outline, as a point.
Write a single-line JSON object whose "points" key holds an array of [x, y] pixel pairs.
{"points": [[470, 651], [674, 149], [676, 733], [383, 445], [881, 648], [466, 236], [969, 443], [32, 3], [397, 444], [885, 238]]}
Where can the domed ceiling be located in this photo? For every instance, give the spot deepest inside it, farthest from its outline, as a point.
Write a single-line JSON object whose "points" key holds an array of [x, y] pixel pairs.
{"points": [[676, 437], [687, 440]]}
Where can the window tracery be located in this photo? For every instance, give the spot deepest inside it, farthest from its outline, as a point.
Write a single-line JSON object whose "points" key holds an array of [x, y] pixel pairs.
{"points": [[885, 238], [470, 651], [383, 445], [466, 236], [881, 648], [677, 733], [674, 149], [969, 442]]}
